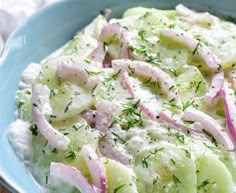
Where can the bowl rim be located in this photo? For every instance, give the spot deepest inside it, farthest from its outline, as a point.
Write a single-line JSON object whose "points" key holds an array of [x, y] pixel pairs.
{"points": [[4, 178]]}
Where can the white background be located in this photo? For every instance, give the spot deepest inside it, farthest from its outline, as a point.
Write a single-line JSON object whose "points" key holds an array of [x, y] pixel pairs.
{"points": [[14, 12]]}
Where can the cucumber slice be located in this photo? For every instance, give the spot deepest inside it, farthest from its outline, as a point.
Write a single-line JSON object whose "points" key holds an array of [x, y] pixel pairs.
{"points": [[228, 158], [24, 105], [68, 101], [144, 25], [120, 178], [48, 74], [82, 134], [44, 154], [165, 168], [213, 176], [151, 19], [143, 10], [111, 90], [191, 84], [81, 46]]}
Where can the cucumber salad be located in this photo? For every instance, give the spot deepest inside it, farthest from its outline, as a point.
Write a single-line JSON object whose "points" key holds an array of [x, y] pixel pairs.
{"points": [[140, 104]]}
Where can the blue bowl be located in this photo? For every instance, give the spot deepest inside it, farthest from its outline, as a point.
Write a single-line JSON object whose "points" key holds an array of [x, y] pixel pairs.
{"points": [[43, 33]]}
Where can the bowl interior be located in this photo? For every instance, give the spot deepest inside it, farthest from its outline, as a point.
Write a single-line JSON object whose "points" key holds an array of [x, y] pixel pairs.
{"points": [[41, 35]]}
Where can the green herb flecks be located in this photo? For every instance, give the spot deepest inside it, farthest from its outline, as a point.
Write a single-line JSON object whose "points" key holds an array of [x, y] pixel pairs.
{"points": [[171, 26], [118, 188], [88, 61], [204, 184], [118, 138], [20, 104], [172, 100], [67, 106], [186, 122], [187, 153], [130, 116], [34, 129], [77, 93], [144, 160], [46, 179], [53, 116], [35, 105], [171, 87], [213, 140], [93, 89], [132, 70], [131, 109], [176, 180], [154, 181], [141, 49], [105, 46], [71, 155], [106, 162], [141, 34], [132, 122], [145, 15], [154, 59], [172, 161], [150, 83], [115, 121], [180, 137], [198, 86], [52, 93], [92, 73], [183, 106], [54, 150], [114, 76], [202, 41], [75, 127], [173, 72], [102, 138], [196, 48], [187, 104], [211, 147]]}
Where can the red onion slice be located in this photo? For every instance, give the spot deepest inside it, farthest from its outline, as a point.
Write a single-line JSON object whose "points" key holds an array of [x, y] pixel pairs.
{"points": [[230, 110], [53, 136], [111, 33], [96, 168], [210, 125], [154, 73], [202, 51], [71, 176], [215, 88], [128, 84]]}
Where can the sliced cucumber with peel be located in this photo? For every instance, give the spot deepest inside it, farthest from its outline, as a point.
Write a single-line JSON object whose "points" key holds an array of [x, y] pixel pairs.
{"points": [[191, 83], [24, 105], [143, 10], [213, 176], [165, 168], [120, 178]]}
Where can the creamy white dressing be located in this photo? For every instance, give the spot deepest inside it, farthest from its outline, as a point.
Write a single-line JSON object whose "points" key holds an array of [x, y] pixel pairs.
{"points": [[21, 138], [29, 75], [148, 150]]}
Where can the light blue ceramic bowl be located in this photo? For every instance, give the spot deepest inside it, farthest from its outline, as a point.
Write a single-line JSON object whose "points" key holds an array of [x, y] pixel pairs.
{"points": [[41, 35]]}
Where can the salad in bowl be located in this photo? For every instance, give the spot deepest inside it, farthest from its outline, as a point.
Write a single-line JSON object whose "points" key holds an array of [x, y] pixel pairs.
{"points": [[139, 104]]}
